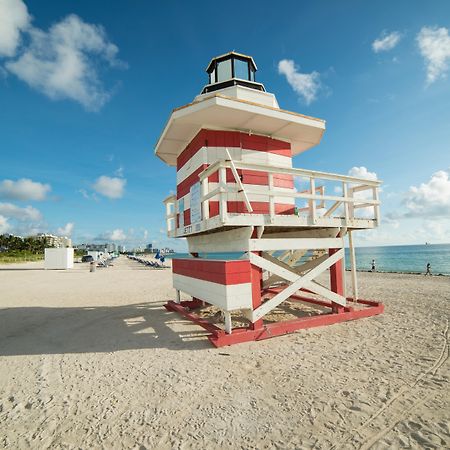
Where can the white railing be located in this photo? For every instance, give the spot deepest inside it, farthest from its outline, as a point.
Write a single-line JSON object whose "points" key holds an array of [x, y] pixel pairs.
{"points": [[318, 205]]}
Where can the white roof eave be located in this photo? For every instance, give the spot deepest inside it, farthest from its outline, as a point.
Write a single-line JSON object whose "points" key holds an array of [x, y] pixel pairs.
{"points": [[220, 112]]}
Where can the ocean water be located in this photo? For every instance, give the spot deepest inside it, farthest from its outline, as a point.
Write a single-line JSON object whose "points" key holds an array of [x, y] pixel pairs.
{"points": [[394, 258], [404, 258]]}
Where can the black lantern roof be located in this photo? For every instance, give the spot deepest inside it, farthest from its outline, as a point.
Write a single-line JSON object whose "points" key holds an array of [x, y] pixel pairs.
{"points": [[232, 69]]}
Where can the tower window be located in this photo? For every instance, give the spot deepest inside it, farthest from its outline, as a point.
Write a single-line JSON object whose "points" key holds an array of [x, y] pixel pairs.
{"points": [[224, 70], [241, 69]]}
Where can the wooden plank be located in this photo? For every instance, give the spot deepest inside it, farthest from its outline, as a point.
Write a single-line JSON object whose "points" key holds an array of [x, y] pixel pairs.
{"points": [[377, 207], [364, 205], [353, 266], [307, 196], [294, 244], [324, 292], [308, 265], [312, 202], [273, 265], [362, 187], [332, 209], [213, 193], [223, 197], [235, 240], [346, 205], [307, 173], [271, 199], [363, 183], [228, 324]]}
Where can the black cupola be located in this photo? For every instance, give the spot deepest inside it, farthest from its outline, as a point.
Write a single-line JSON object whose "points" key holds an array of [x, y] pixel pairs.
{"points": [[232, 69]]}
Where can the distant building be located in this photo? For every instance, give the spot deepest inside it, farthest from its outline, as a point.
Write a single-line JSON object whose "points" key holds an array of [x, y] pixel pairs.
{"points": [[97, 247], [104, 248], [55, 241], [121, 248]]}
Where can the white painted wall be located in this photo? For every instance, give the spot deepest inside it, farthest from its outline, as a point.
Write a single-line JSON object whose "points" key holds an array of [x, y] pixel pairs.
{"points": [[227, 297], [58, 258], [243, 93]]}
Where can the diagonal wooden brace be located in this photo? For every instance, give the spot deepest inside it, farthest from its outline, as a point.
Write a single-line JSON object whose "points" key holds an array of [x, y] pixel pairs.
{"points": [[311, 285], [239, 182], [308, 265], [297, 282]]}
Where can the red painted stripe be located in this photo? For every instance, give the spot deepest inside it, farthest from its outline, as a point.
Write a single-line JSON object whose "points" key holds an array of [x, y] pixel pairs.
{"points": [[215, 138], [240, 207], [256, 177], [184, 187], [221, 272], [199, 141], [247, 176]]}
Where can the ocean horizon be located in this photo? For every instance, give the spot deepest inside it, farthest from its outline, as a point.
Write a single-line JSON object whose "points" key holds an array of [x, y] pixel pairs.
{"points": [[389, 258]]}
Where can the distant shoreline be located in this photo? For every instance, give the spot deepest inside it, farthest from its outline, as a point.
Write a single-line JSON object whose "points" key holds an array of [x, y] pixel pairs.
{"points": [[401, 273]]}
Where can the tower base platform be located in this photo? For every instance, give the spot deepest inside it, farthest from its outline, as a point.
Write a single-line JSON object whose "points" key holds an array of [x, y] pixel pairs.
{"points": [[258, 331]]}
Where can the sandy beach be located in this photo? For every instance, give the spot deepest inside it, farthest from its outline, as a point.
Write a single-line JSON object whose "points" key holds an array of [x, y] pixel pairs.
{"points": [[93, 360]]}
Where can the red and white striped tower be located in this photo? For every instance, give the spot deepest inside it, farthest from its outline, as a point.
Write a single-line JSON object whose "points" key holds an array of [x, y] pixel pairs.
{"points": [[237, 192]]}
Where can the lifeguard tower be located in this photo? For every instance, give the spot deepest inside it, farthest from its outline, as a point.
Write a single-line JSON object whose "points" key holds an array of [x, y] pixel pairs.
{"points": [[237, 193]]}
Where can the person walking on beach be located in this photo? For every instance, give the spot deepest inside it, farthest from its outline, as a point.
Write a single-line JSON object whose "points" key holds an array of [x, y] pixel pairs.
{"points": [[373, 266], [428, 272]]}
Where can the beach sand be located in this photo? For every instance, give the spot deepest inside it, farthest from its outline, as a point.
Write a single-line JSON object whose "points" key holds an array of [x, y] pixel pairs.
{"points": [[93, 360]]}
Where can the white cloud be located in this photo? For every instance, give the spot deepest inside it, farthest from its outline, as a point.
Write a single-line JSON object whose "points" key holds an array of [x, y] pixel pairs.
{"points": [[66, 230], [118, 235], [84, 193], [14, 18], [64, 61], [23, 189], [430, 199], [389, 219], [434, 46], [307, 85], [24, 214], [4, 225], [110, 187], [386, 41], [362, 172], [437, 230]]}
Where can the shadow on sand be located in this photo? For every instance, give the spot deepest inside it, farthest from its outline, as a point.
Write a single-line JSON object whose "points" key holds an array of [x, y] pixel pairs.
{"points": [[36, 331]]}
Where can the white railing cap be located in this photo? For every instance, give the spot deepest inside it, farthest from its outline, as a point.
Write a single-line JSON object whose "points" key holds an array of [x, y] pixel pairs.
{"points": [[289, 171]]}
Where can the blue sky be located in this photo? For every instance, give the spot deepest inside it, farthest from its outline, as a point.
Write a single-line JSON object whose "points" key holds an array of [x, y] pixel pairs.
{"points": [[86, 88]]}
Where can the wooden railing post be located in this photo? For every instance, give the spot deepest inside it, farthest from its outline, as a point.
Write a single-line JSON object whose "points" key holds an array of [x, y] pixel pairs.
{"points": [[337, 280], [376, 207], [271, 199], [346, 204], [223, 210], [205, 203], [353, 265], [312, 202], [351, 205]]}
